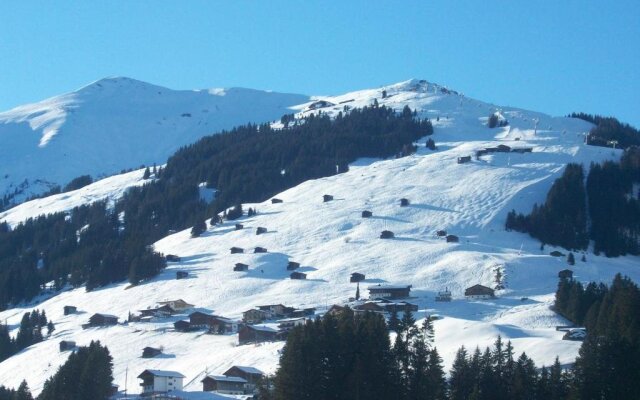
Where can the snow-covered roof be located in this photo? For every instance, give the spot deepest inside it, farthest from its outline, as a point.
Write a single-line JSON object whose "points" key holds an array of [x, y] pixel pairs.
{"points": [[389, 287], [161, 373], [223, 378], [248, 370]]}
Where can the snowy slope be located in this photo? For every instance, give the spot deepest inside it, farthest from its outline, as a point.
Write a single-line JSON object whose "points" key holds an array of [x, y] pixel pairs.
{"points": [[331, 240], [117, 123]]}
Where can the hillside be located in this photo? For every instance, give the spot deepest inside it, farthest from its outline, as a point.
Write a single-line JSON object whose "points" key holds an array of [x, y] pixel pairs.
{"points": [[331, 240], [114, 124]]}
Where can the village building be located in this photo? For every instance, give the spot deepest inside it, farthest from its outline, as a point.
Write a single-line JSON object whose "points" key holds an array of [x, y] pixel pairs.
{"points": [[386, 235], [212, 323], [290, 323], [275, 201], [441, 233], [155, 381], [367, 214], [182, 274], [336, 310], [397, 306], [370, 306], [150, 352], [260, 230], [239, 267], [389, 291], [260, 250], [404, 202], [250, 374], [159, 312], [257, 334], [327, 197], [298, 275], [503, 148], [177, 305], [291, 265], [68, 310], [236, 250], [172, 258], [302, 312], [67, 345], [565, 274], [182, 326], [452, 239], [101, 320], [465, 159], [276, 310], [239, 227], [479, 292], [522, 150], [356, 277], [254, 316], [444, 295], [224, 384]]}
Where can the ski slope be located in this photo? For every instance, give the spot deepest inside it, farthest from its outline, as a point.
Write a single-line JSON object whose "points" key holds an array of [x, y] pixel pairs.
{"points": [[114, 124], [331, 240]]}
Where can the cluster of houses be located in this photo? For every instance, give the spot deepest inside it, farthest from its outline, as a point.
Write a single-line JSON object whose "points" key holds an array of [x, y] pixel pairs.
{"points": [[501, 148]]}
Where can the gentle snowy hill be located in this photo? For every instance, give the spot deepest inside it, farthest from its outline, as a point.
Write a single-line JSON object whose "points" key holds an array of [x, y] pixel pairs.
{"points": [[331, 240], [117, 123]]}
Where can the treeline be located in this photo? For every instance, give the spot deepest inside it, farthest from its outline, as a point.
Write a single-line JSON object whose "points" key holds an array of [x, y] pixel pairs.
{"points": [[30, 332], [86, 375], [608, 365], [351, 357], [613, 209], [608, 129], [97, 245]]}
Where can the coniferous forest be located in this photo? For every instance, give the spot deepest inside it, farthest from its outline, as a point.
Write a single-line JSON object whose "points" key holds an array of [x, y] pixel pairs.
{"points": [[608, 200], [98, 244]]}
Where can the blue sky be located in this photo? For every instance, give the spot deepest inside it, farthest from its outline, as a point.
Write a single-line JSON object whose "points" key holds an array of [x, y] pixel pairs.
{"points": [[550, 56]]}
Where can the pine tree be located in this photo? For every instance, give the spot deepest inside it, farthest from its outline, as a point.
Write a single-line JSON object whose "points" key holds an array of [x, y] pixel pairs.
{"points": [[23, 392], [50, 328], [198, 229], [571, 259], [394, 322], [461, 382], [147, 173], [358, 291]]}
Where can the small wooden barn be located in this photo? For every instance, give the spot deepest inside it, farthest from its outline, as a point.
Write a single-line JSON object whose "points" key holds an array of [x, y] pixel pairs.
{"points": [[67, 345], [356, 277], [275, 201], [565, 274], [254, 316], [68, 310], [389, 291], [444, 295], [464, 159], [99, 319], [298, 275], [150, 352], [182, 326], [452, 239], [240, 267], [327, 197], [236, 250], [250, 374], [367, 214], [182, 274], [292, 265], [386, 235], [441, 233], [260, 230], [224, 384], [479, 292], [404, 202], [256, 334], [172, 258], [260, 250], [239, 227]]}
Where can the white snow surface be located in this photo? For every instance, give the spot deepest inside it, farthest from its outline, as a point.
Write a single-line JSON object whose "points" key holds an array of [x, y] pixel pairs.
{"points": [[117, 123], [331, 240]]}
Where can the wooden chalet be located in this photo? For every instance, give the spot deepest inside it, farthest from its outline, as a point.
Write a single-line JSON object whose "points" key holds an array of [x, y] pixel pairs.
{"points": [[367, 214], [260, 250], [250, 374], [336, 310], [404, 202], [479, 292], [260, 230], [444, 295], [232, 385], [99, 319], [386, 235], [172, 258], [239, 267], [275, 201], [452, 239], [67, 345], [464, 159], [441, 233], [182, 326], [389, 291], [398, 306], [68, 310], [177, 305], [212, 323], [155, 381], [182, 274], [327, 197], [236, 250], [290, 323], [257, 334], [292, 265], [371, 306], [302, 312], [298, 275], [276, 310], [158, 312], [150, 352], [503, 148], [356, 277], [255, 316], [239, 227], [565, 274]]}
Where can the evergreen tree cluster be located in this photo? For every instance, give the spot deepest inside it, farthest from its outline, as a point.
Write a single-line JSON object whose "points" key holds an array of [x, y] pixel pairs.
{"points": [[86, 375], [613, 208], [33, 327], [23, 392], [608, 129]]}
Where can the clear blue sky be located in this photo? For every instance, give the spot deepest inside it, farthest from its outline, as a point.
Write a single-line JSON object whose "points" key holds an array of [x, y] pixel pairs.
{"points": [[551, 56]]}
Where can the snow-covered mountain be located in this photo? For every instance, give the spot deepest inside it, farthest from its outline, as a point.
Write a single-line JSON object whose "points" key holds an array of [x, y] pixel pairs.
{"points": [[331, 240], [117, 123]]}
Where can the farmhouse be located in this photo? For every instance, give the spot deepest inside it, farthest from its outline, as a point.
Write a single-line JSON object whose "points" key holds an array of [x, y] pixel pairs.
{"points": [[367, 214], [444, 295], [260, 250], [212, 323], [172, 258], [452, 239], [70, 310], [241, 267], [565, 274], [275, 201], [155, 381], [150, 352], [336, 310], [327, 197], [250, 374], [254, 316], [178, 305], [224, 384], [66, 345], [356, 277], [239, 227], [182, 274], [257, 334], [291, 265], [101, 320], [276, 310], [182, 326], [389, 291], [236, 250], [404, 202], [441, 233], [479, 292], [260, 230], [372, 306], [298, 275], [465, 159], [386, 235], [159, 312]]}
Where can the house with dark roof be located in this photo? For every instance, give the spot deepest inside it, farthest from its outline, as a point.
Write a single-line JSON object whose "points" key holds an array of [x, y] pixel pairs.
{"points": [[367, 214], [254, 316], [250, 374], [404, 202], [239, 267], [298, 275], [389, 291], [67, 345], [236, 250], [291, 265], [99, 319], [275, 201], [260, 250], [257, 334], [70, 310], [150, 352], [233, 385], [479, 292]]}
